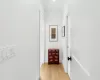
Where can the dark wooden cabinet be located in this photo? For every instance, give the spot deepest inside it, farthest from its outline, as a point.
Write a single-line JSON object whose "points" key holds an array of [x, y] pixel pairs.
{"points": [[53, 56]]}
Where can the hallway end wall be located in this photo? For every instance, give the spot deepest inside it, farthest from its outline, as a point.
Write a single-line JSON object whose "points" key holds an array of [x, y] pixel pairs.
{"points": [[53, 18]]}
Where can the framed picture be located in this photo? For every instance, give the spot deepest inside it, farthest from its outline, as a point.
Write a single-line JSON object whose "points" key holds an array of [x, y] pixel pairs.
{"points": [[53, 33], [63, 31]]}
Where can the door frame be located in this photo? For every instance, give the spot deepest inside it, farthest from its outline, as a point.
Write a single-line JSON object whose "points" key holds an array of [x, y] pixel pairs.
{"points": [[42, 53], [68, 28]]}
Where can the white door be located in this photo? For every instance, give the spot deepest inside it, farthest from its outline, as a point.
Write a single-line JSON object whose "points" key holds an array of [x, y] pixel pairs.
{"points": [[76, 69]]}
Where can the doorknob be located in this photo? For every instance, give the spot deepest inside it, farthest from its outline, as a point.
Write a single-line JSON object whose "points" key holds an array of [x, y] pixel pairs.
{"points": [[69, 58]]}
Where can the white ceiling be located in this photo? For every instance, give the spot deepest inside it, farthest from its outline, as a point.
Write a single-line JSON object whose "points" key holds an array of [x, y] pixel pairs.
{"points": [[50, 5]]}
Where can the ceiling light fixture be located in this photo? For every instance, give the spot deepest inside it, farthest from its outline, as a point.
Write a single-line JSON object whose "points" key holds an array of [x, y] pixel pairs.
{"points": [[53, 0]]}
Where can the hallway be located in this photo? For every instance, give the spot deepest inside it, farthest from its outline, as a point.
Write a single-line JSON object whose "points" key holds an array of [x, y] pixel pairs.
{"points": [[53, 72], [34, 33]]}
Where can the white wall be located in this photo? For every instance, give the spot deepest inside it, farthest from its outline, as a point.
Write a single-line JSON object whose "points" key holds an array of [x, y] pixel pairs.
{"points": [[85, 39], [53, 18], [19, 26]]}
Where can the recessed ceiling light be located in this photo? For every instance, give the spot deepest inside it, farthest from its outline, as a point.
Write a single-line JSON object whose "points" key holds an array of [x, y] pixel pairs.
{"points": [[53, 0]]}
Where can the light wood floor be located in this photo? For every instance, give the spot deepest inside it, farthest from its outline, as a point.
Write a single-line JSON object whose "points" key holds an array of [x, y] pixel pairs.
{"points": [[53, 72]]}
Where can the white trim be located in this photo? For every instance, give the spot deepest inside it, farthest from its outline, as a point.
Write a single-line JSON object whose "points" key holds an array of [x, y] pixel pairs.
{"points": [[69, 69], [81, 65], [68, 42]]}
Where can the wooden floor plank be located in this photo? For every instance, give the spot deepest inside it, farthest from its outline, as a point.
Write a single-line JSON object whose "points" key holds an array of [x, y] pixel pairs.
{"points": [[53, 72]]}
